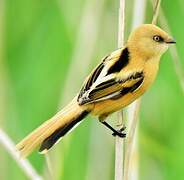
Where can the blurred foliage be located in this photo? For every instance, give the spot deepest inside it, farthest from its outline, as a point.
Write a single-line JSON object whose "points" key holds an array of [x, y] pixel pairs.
{"points": [[38, 41]]}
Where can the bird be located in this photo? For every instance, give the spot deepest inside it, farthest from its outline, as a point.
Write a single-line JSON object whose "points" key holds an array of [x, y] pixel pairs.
{"points": [[119, 79]]}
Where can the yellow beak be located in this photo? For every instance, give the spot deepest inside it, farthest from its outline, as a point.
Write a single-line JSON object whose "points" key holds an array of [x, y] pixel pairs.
{"points": [[170, 40]]}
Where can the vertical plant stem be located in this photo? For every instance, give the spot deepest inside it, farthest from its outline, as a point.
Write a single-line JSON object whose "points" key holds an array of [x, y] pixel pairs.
{"points": [[131, 169], [24, 164], [5, 141], [121, 23], [156, 11], [83, 47], [133, 110], [119, 142], [130, 172], [173, 51], [83, 51], [49, 166]]}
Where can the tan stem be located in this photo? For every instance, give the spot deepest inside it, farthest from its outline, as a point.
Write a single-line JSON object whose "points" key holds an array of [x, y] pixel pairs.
{"points": [[133, 109], [173, 51], [24, 164], [83, 51], [119, 142], [156, 11]]}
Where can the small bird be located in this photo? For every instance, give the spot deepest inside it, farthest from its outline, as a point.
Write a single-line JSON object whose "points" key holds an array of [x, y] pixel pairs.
{"points": [[119, 79]]}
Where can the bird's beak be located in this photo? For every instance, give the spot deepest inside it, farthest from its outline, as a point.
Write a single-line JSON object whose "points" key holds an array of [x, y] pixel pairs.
{"points": [[170, 40]]}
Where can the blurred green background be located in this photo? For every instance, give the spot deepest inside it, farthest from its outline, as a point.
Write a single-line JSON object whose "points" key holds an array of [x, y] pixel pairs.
{"points": [[46, 50]]}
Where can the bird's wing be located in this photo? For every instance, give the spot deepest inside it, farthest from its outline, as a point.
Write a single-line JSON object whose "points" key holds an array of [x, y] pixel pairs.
{"points": [[102, 83]]}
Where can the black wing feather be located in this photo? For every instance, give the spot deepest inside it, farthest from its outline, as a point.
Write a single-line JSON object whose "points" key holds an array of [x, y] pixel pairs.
{"points": [[121, 63], [88, 94], [107, 88], [91, 80]]}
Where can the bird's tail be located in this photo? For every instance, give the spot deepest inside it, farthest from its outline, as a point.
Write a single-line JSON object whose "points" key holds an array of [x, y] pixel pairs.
{"points": [[52, 130]]}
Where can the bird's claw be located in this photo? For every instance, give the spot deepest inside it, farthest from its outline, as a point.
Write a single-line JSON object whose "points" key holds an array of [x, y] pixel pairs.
{"points": [[119, 133]]}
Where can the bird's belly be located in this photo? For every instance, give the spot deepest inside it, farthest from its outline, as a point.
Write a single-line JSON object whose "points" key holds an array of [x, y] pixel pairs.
{"points": [[107, 107]]}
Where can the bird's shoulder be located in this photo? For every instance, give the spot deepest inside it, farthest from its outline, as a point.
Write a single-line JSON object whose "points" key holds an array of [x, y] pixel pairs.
{"points": [[108, 66]]}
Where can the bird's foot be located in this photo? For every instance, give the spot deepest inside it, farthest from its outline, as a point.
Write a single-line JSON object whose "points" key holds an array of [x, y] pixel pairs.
{"points": [[119, 132]]}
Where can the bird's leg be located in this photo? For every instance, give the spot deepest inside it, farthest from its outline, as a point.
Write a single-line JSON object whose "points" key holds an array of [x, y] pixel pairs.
{"points": [[115, 132]]}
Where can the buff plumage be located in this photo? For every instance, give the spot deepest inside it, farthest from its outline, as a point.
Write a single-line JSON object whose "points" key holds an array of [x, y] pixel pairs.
{"points": [[119, 79]]}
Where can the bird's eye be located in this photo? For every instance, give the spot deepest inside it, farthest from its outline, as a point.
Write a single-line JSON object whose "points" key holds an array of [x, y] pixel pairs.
{"points": [[158, 38]]}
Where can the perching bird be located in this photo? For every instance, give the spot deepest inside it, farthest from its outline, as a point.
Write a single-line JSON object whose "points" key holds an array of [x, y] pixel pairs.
{"points": [[119, 79]]}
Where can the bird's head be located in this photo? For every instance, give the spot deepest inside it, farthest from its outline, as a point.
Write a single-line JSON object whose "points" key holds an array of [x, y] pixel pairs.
{"points": [[149, 40]]}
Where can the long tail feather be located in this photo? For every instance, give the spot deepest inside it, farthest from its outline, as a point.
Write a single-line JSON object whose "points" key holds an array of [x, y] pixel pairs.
{"points": [[53, 129], [60, 132]]}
